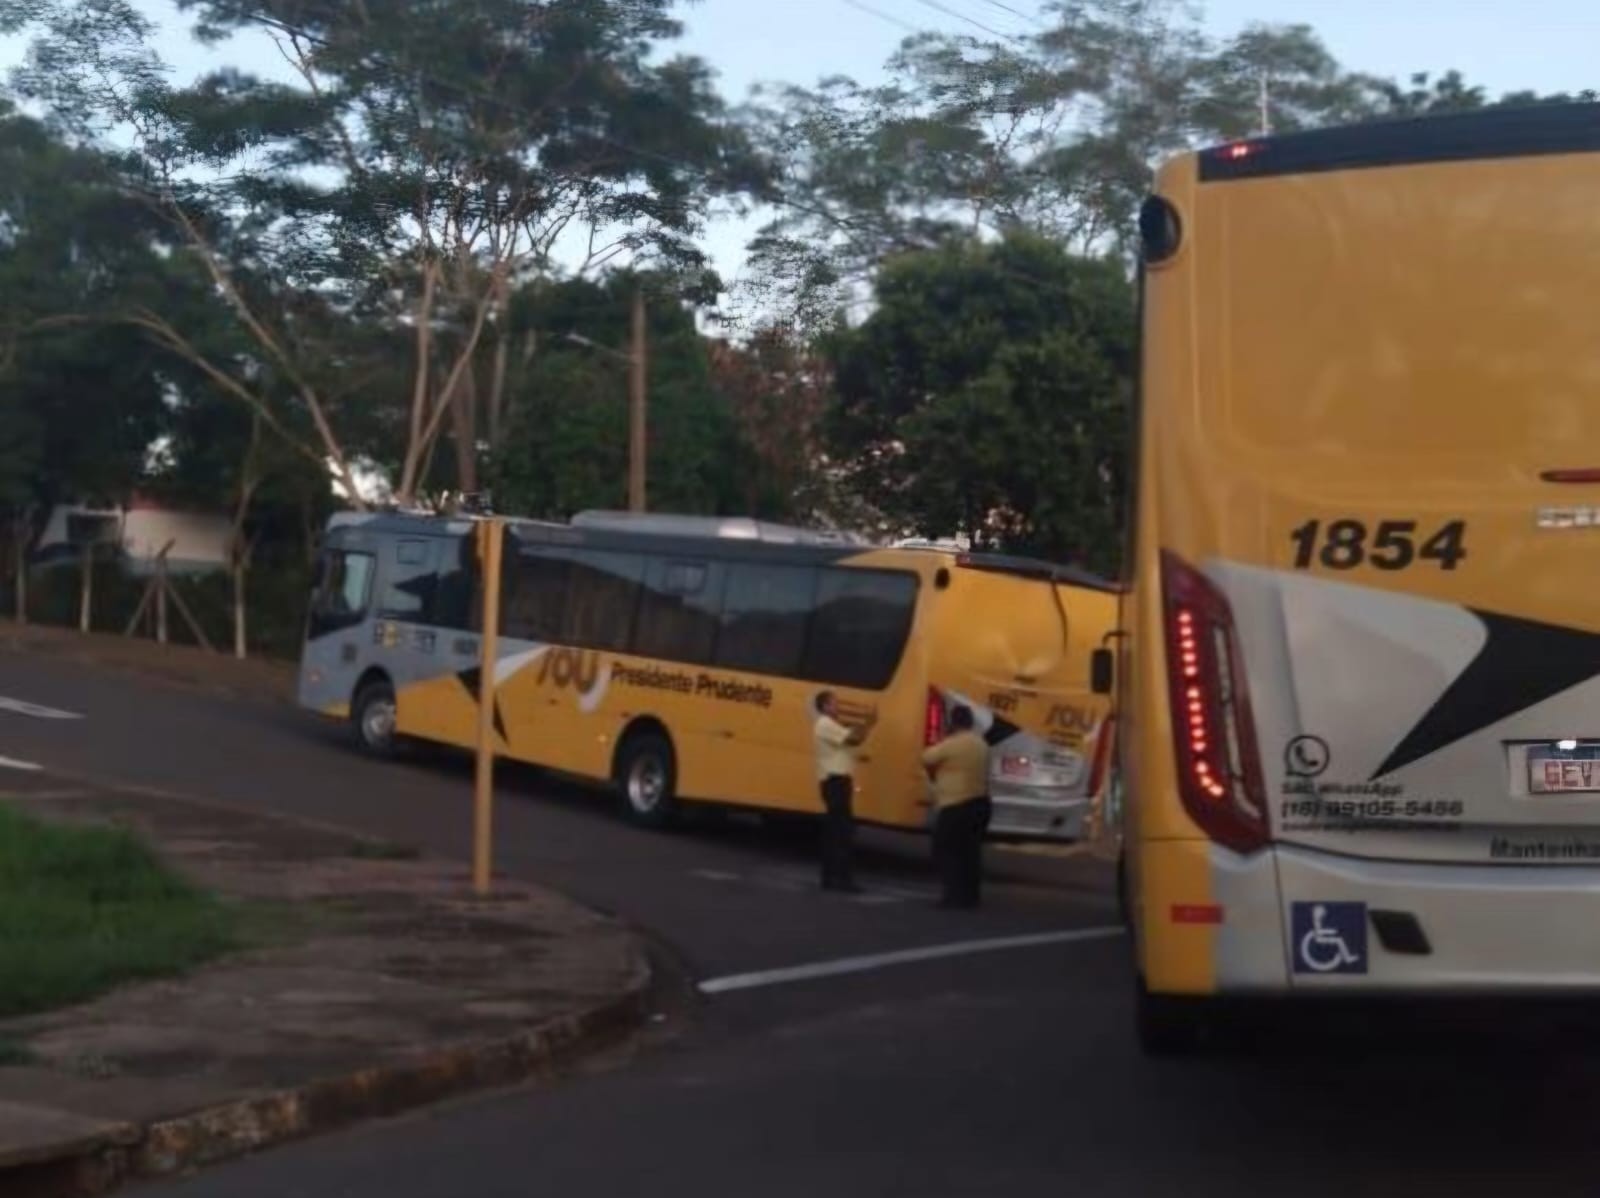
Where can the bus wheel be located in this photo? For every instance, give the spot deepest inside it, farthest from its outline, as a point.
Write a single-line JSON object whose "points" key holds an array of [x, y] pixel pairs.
{"points": [[647, 775], [372, 717], [1170, 1025]]}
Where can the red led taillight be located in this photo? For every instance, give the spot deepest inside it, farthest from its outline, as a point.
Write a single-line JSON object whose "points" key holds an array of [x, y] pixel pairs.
{"points": [[1102, 755], [1219, 768], [933, 719]]}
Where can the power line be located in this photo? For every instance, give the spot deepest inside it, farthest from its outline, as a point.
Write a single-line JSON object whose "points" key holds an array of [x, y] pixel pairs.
{"points": [[961, 16], [1032, 19], [883, 16]]}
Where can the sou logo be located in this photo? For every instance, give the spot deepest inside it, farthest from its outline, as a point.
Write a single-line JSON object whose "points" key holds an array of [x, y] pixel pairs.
{"points": [[570, 667]]}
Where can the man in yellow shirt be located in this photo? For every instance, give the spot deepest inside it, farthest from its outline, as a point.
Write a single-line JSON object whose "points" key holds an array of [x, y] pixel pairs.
{"points": [[959, 766], [836, 745]]}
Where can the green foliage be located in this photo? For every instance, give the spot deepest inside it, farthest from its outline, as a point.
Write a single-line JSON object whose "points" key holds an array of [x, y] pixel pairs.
{"points": [[88, 908], [988, 394], [566, 445], [69, 249], [1056, 133]]}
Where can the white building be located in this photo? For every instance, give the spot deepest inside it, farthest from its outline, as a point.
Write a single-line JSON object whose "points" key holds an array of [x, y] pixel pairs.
{"points": [[200, 541]]}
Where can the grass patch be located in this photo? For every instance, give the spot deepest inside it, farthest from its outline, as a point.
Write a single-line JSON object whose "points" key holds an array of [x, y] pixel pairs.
{"points": [[84, 908]]}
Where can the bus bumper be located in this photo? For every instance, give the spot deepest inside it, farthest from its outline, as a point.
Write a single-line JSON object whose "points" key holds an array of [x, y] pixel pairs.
{"points": [[1293, 921], [1037, 814]]}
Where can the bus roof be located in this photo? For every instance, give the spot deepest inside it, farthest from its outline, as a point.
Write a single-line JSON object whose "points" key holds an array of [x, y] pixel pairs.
{"points": [[722, 537], [742, 528], [1489, 133]]}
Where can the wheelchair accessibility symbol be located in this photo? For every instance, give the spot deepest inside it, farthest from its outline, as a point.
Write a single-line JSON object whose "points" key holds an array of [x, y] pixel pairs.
{"points": [[1329, 937]]}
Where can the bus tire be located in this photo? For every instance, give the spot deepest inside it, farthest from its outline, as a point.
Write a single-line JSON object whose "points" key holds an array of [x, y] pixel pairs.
{"points": [[647, 776], [1170, 1025], [372, 718]]}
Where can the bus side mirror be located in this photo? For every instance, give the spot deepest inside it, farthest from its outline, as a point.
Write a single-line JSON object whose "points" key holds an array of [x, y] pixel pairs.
{"points": [[1102, 671]]}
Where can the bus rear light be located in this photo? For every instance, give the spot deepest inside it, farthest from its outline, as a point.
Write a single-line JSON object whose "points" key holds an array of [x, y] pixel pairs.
{"points": [[1219, 768], [933, 719], [1200, 913], [1102, 755]]}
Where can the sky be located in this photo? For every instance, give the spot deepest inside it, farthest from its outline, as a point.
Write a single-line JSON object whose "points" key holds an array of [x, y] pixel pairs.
{"points": [[1503, 45]]}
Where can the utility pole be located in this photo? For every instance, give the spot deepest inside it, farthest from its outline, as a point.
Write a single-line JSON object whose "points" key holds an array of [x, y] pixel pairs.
{"points": [[638, 362], [491, 539], [637, 357], [1266, 113]]}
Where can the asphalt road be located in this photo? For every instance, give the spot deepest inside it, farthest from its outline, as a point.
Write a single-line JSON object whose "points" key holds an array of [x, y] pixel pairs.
{"points": [[1009, 1072]]}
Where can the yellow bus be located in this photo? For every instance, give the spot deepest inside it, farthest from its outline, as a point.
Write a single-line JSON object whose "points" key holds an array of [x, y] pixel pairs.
{"points": [[1359, 674], [679, 659]]}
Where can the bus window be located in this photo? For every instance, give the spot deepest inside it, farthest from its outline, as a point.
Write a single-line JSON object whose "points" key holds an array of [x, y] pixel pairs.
{"points": [[679, 608], [602, 593], [457, 603], [765, 611], [409, 586], [535, 597], [859, 631], [341, 600]]}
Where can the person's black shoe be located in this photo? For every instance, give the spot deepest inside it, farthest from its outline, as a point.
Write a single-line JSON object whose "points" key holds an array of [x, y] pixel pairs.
{"points": [[842, 886], [957, 904]]}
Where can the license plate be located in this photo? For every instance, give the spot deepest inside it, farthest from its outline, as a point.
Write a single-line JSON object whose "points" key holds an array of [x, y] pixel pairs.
{"points": [[1015, 767], [1562, 770]]}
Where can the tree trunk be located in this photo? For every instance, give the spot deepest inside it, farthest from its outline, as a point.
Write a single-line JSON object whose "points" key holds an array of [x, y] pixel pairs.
{"points": [[161, 601], [240, 648], [464, 430], [21, 531], [496, 407], [86, 593], [497, 392]]}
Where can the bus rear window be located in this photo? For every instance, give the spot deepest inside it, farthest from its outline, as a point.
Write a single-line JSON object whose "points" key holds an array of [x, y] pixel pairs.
{"points": [[860, 626]]}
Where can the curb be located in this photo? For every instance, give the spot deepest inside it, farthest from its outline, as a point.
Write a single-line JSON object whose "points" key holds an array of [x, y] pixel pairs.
{"points": [[90, 1167]]}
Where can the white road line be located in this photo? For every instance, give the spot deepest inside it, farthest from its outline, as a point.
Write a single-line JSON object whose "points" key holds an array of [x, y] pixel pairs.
{"points": [[10, 763], [22, 707], [843, 965]]}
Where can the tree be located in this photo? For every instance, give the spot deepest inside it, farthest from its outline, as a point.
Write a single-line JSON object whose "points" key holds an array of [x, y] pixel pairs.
{"points": [[1057, 133], [778, 393], [434, 157], [566, 443], [987, 395], [80, 402]]}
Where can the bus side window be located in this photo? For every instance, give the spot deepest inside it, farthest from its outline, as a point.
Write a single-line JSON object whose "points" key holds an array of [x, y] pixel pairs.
{"points": [[679, 607], [341, 601], [534, 596], [602, 597], [410, 582], [765, 613], [860, 629], [457, 603]]}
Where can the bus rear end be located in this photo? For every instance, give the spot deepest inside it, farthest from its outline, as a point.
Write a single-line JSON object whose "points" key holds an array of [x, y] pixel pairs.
{"points": [[1012, 639], [1362, 673]]}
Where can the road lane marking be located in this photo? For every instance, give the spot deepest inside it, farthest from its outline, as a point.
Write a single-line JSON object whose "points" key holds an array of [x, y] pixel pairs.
{"points": [[907, 956], [38, 712], [10, 763]]}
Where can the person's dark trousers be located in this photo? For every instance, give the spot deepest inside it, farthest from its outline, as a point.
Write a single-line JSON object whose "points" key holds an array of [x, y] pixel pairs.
{"points": [[838, 833], [958, 833]]}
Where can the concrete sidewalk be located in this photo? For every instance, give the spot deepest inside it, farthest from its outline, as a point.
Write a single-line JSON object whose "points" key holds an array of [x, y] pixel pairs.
{"points": [[373, 984]]}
